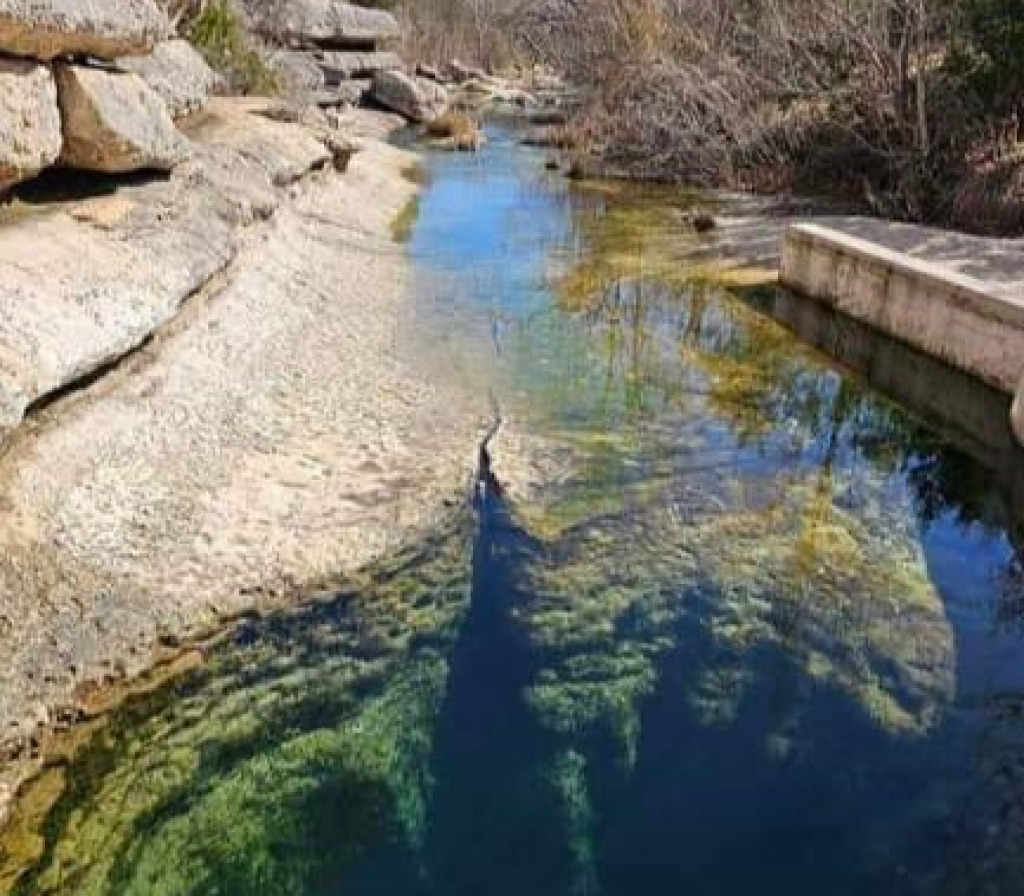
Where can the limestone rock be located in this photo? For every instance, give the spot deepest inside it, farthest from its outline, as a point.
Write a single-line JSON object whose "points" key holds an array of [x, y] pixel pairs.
{"points": [[328, 22], [103, 273], [298, 70], [460, 73], [338, 67], [178, 74], [30, 135], [106, 29], [417, 99], [259, 134], [114, 123]]}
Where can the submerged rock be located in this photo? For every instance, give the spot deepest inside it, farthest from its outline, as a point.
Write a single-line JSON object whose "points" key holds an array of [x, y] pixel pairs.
{"points": [[178, 74], [107, 29], [114, 123], [417, 99], [30, 135]]}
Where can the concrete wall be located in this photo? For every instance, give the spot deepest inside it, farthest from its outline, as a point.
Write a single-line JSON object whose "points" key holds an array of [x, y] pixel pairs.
{"points": [[975, 326]]}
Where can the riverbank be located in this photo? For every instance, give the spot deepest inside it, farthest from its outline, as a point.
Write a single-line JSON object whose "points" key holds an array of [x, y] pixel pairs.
{"points": [[270, 435]]}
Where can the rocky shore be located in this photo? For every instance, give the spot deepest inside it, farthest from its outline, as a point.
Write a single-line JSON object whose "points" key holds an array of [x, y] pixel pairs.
{"points": [[273, 434], [208, 401]]}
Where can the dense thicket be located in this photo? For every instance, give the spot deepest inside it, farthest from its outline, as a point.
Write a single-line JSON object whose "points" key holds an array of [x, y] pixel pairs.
{"points": [[908, 105]]}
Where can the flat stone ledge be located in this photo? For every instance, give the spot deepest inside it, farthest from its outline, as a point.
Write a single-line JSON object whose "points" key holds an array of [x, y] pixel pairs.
{"points": [[999, 300], [956, 297], [85, 283]]}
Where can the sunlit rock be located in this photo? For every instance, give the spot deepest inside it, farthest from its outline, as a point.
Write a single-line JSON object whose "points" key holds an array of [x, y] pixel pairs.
{"points": [[114, 123], [107, 29], [30, 130]]}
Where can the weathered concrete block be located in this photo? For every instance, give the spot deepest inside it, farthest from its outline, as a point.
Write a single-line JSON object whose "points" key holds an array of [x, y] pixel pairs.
{"points": [[114, 123], [178, 74], [30, 130], [45, 29], [973, 324]]}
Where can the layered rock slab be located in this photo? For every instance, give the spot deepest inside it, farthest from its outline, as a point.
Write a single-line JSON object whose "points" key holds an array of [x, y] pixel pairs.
{"points": [[415, 98], [84, 285], [30, 127], [338, 67], [281, 432], [114, 123], [107, 29], [178, 74], [326, 22]]}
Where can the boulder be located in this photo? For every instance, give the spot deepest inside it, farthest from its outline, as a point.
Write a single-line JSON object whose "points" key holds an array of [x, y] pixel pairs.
{"points": [[415, 98], [323, 22], [460, 73], [338, 67], [107, 29], [177, 74], [298, 70], [114, 123], [347, 93], [430, 72], [30, 134]]}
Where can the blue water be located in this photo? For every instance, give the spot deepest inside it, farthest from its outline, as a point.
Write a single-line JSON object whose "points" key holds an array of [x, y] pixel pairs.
{"points": [[757, 628]]}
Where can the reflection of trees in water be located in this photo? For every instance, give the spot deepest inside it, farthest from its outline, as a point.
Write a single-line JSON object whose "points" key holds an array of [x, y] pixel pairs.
{"points": [[819, 569], [724, 668]]}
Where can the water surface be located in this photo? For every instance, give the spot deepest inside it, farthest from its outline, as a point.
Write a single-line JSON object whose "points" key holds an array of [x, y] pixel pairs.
{"points": [[762, 632]]}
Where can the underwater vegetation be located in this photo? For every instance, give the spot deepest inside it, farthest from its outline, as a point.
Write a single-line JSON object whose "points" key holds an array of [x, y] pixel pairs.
{"points": [[755, 640]]}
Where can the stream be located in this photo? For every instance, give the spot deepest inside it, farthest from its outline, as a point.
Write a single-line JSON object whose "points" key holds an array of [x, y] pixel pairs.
{"points": [[758, 627]]}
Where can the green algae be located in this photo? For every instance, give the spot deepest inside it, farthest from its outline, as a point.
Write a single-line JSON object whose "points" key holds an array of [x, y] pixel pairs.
{"points": [[734, 564], [404, 222], [230, 769]]}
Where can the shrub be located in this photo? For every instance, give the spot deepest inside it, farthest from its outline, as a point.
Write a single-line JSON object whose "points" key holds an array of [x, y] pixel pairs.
{"points": [[221, 36]]}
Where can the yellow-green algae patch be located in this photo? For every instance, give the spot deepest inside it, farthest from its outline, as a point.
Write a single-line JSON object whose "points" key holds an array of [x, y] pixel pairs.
{"points": [[404, 222]]}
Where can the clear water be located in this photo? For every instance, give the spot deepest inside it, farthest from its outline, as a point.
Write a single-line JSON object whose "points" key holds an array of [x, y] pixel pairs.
{"points": [[758, 631]]}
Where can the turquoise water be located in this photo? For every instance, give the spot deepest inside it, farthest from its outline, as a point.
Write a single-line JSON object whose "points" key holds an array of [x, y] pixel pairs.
{"points": [[757, 630]]}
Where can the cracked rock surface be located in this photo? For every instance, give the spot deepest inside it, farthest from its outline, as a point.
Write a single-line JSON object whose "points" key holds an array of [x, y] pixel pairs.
{"points": [[275, 433]]}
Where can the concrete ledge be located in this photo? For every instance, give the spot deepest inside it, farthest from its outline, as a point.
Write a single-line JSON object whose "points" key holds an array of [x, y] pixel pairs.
{"points": [[921, 296], [973, 324]]}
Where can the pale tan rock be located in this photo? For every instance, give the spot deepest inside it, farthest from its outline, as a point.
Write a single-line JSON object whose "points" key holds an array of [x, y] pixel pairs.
{"points": [[298, 70], [30, 130], [279, 432], [45, 29], [415, 98], [178, 74], [85, 284], [338, 67], [114, 123], [329, 22]]}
